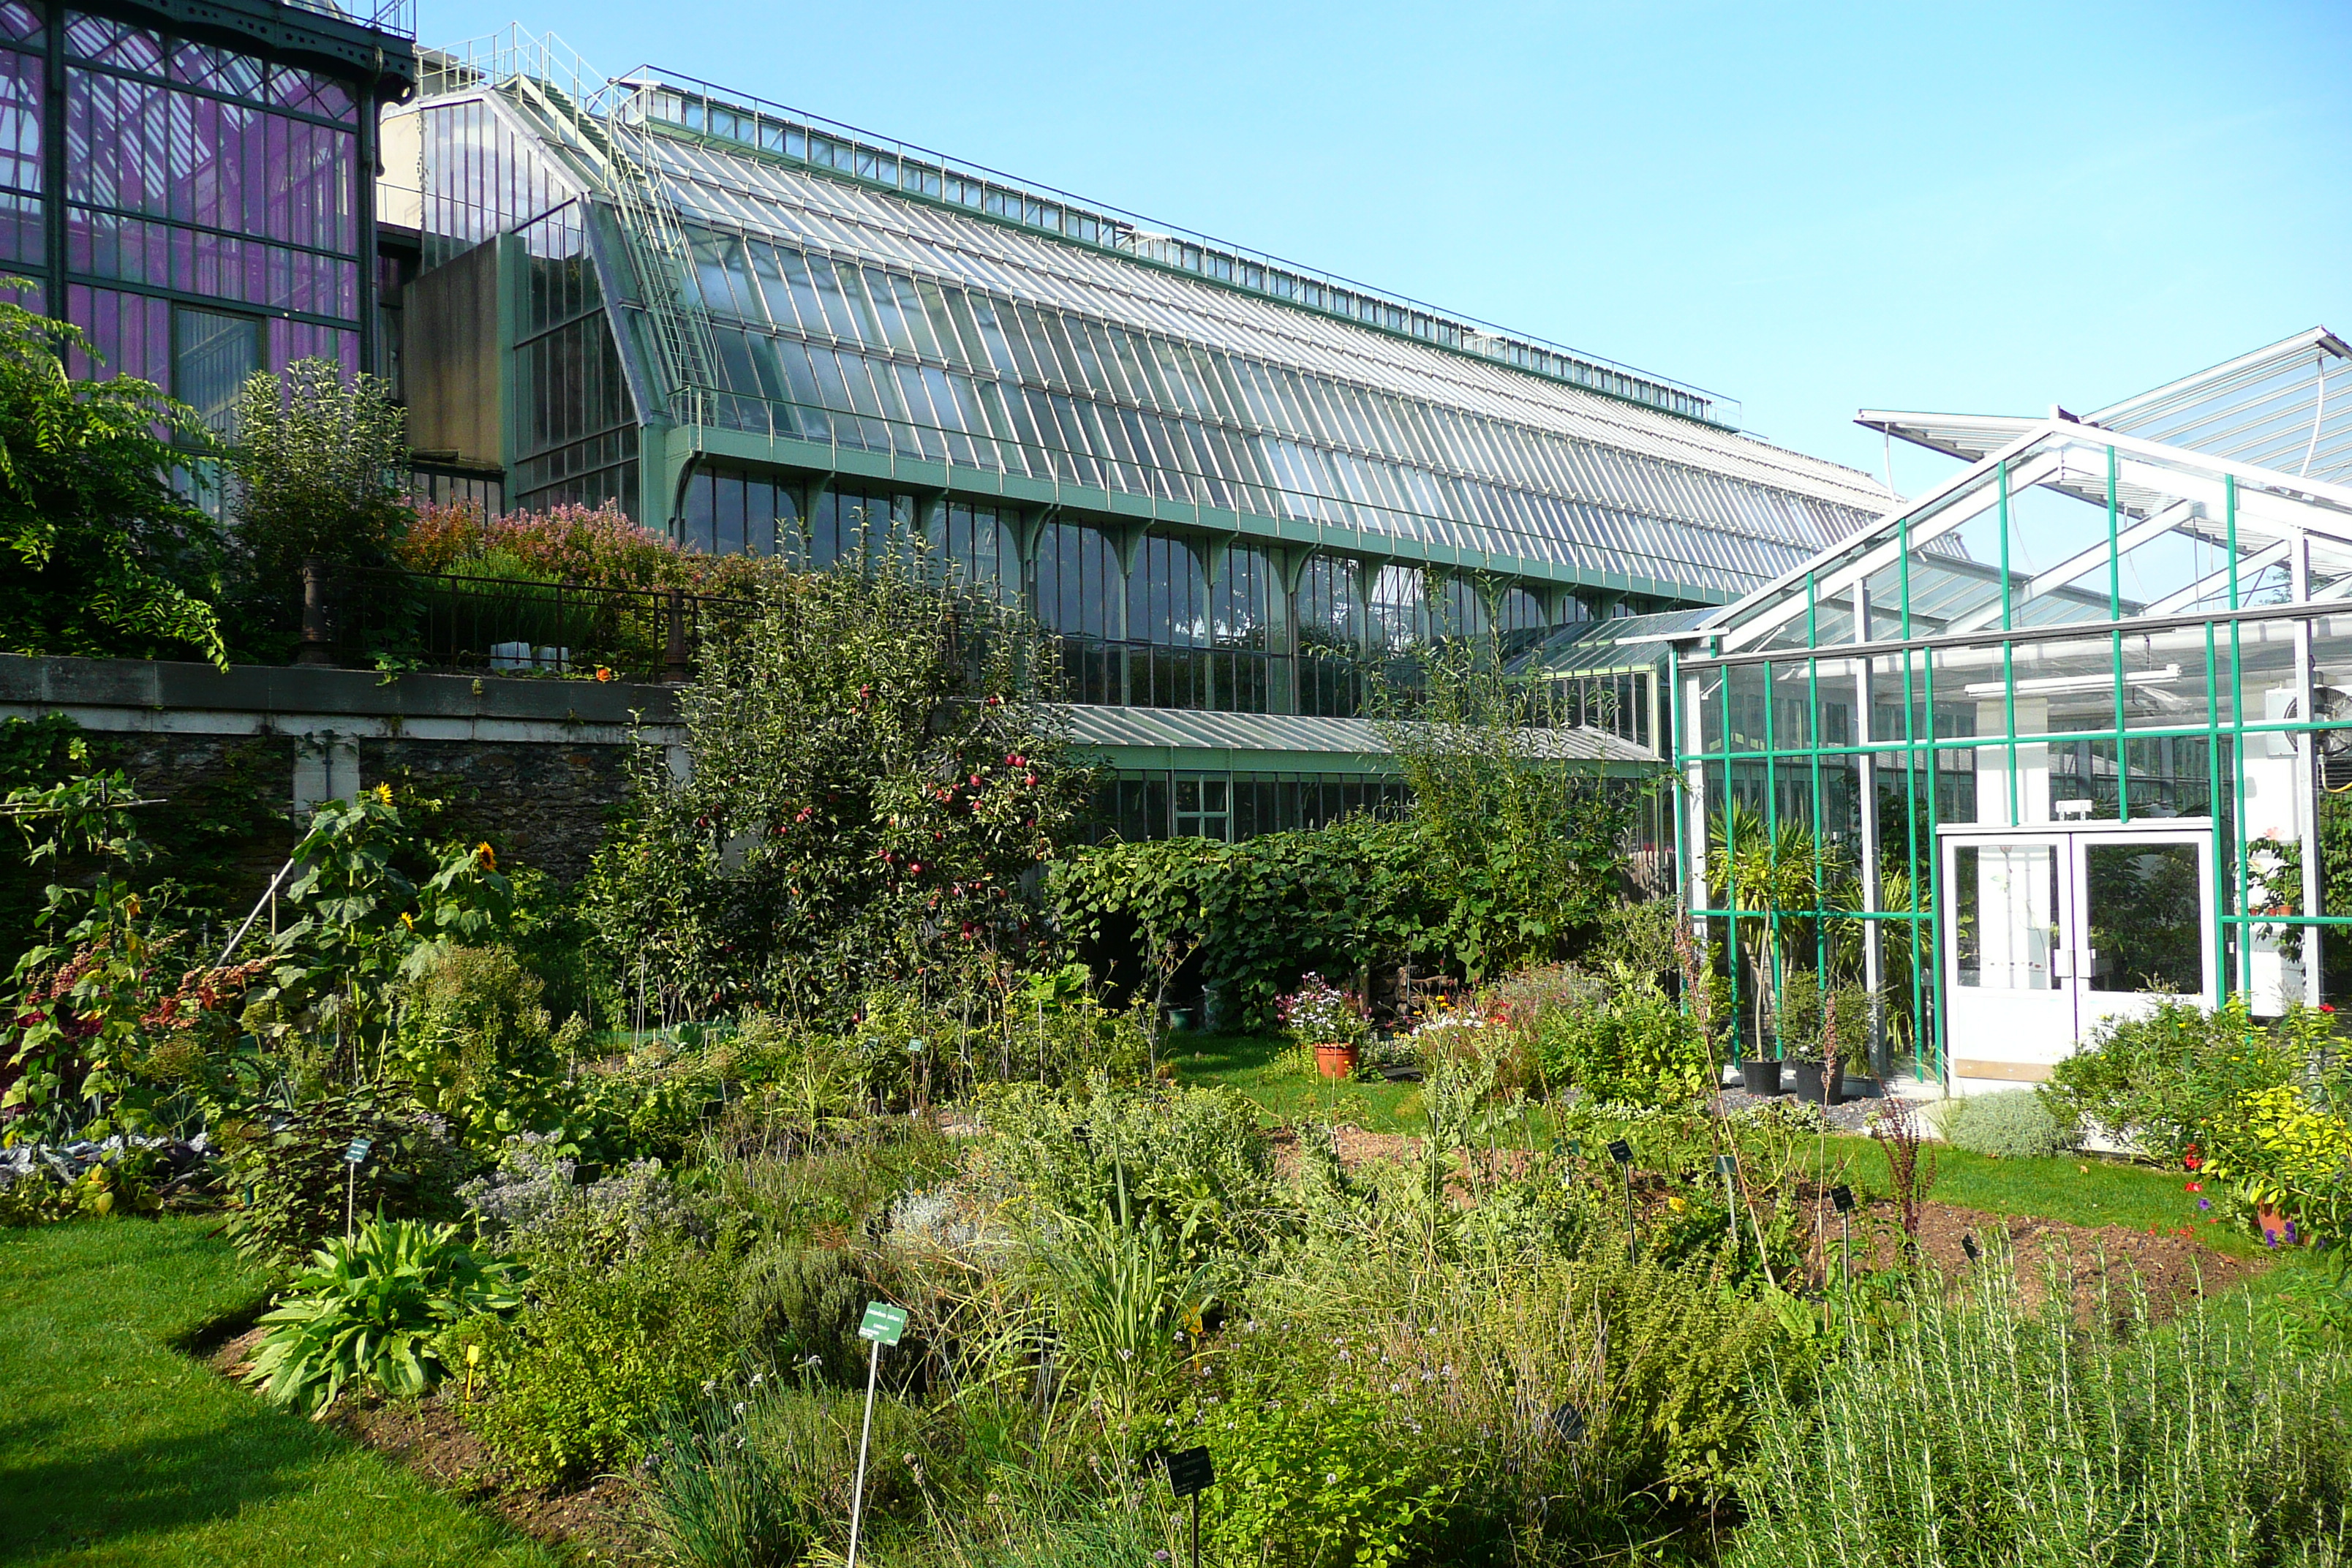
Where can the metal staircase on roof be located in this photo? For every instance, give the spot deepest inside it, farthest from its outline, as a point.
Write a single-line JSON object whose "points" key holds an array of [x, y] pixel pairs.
{"points": [[599, 126]]}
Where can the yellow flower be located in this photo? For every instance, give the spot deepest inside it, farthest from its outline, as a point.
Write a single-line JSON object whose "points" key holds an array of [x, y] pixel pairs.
{"points": [[1677, 1204], [382, 792], [490, 857], [409, 921]]}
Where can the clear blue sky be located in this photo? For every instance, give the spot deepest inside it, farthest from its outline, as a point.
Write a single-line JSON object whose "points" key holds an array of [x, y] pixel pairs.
{"points": [[1979, 207]]}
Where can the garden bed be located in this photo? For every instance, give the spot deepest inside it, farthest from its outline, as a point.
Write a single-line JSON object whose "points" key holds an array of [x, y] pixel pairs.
{"points": [[2168, 1266]]}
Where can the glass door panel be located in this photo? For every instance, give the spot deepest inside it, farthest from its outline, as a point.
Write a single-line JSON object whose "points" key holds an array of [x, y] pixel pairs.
{"points": [[2012, 1003], [2146, 926], [2145, 918]]}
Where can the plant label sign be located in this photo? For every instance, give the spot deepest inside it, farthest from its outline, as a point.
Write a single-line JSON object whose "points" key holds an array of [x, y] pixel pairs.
{"points": [[1189, 1471], [1726, 1165], [357, 1152], [1621, 1152], [1843, 1197], [884, 1323]]}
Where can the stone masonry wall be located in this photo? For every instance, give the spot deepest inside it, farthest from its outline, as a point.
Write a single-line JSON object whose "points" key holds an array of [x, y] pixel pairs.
{"points": [[546, 805]]}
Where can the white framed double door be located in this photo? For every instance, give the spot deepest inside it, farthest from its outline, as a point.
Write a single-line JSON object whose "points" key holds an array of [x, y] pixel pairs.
{"points": [[2050, 931]]}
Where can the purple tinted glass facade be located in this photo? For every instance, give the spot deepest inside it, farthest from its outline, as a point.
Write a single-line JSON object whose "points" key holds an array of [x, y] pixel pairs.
{"points": [[23, 234], [172, 176]]}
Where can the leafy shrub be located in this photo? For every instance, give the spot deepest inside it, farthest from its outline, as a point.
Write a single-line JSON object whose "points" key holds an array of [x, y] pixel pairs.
{"points": [[1976, 1431], [1312, 1468], [1569, 1399], [875, 774], [477, 1046], [1637, 1048], [2013, 1124], [1261, 912], [652, 1103], [367, 1311], [317, 460], [287, 1184], [804, 1304], [105, 557], [2159, 1080], [2286, 1148], [575, 1383]]}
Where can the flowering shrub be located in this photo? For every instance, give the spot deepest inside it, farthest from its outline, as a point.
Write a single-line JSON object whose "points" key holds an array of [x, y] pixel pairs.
{"points": [[2286, 1152], [1320, 1014]]}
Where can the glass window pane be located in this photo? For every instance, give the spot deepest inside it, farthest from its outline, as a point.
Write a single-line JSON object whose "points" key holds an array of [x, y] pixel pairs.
{"points": [[2146, 933], [2005, 914], [213, 355]]}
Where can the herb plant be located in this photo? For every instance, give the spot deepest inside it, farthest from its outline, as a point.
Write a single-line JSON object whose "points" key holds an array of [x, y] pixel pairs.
{"points": [[367, 1311]]}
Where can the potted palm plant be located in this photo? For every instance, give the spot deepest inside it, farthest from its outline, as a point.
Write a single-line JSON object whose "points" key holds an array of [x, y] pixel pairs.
{"points": [[1327, 1021]]}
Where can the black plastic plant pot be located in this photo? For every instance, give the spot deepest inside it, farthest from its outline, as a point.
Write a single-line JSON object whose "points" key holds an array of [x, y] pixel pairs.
{"points": [[1761, 1077], [1808, 1082]]}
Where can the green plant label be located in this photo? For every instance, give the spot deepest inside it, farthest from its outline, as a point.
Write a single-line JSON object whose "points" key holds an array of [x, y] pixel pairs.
{"points": [[1621, 1152], [357, 1152], [884, 1323], [1726, 1164]]}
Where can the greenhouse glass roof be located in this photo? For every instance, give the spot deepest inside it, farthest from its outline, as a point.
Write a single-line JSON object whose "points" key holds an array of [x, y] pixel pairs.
{"points": [[843, 292], [2287, 408], [2064, 526]]}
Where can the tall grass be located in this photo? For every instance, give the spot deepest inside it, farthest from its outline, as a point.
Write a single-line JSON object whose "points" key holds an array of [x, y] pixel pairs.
{"points": [[1978, 1432]]}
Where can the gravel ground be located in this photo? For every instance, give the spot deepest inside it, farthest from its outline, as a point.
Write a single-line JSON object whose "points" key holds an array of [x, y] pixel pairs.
{"points": [[1852, 1114]]}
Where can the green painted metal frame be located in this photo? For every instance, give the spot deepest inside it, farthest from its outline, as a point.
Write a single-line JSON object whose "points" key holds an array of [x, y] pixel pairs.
{"points": [[1698, 769]]}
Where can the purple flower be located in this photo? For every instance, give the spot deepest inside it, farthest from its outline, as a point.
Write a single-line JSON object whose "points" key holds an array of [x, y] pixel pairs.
{"points": [[2270, 1238], [2290, 1233], [2204, 1203]]}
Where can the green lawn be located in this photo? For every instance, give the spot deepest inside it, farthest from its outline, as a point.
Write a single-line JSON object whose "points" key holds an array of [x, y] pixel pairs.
{"points": [[115, 1449], [1258, 1067]]}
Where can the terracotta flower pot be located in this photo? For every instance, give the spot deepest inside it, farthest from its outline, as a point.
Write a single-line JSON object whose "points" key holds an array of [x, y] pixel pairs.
{"points": [[1336, 1059]]}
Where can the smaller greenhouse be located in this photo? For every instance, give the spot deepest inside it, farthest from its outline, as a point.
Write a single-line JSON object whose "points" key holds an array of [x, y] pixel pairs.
{"points": [[2068, 734]]}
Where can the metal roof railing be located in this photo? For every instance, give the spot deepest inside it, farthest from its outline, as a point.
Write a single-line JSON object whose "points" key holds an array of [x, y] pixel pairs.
{"points": [[385, 17]]}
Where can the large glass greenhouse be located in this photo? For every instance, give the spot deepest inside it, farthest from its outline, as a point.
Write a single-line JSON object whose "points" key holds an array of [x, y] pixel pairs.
{"points": [[2068, 734]]}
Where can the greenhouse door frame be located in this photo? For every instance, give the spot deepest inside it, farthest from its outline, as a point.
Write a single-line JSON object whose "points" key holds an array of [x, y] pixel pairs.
{"points": [[2004, 1035]]}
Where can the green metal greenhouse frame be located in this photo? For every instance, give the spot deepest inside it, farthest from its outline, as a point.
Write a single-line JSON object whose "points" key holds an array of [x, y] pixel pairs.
{"points": [[1944, 661]]}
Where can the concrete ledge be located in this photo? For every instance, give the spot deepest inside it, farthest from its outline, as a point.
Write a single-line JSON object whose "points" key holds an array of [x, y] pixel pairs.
{"points": [[156, 694]]}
